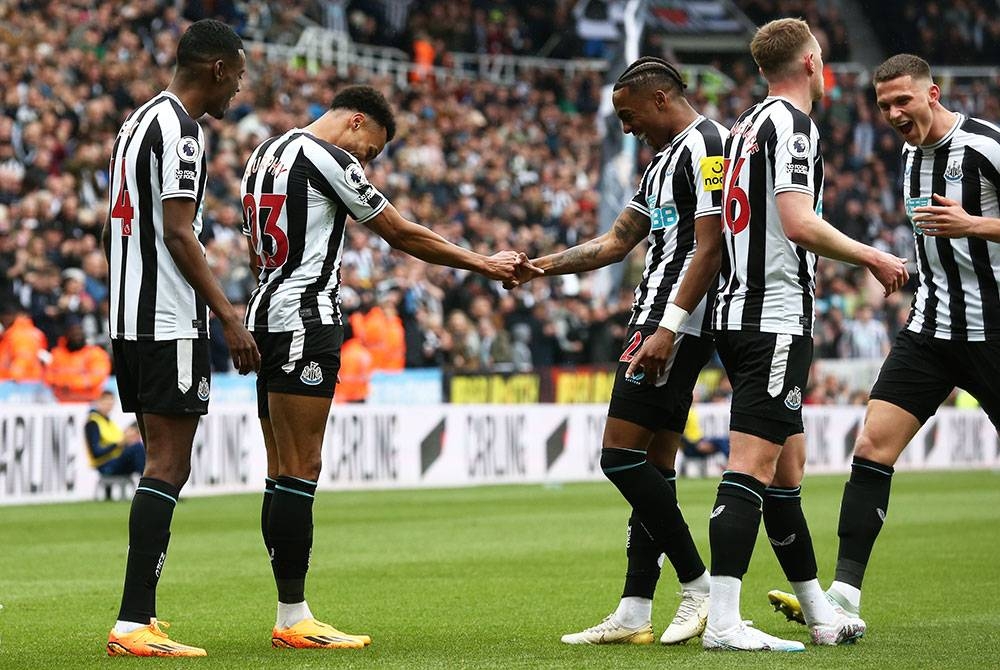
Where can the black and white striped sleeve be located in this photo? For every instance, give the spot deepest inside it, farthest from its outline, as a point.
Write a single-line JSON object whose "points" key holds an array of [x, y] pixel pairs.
{"points": [[708, 162], [183, 146], [796, 150], [638, 201], [345, 176]]}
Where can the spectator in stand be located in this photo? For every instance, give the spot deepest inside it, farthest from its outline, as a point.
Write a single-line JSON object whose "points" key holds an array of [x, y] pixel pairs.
{"points": [[356, 366], [113, 451], [22, 345], [383, 334], [865, 337], [77, 371]]}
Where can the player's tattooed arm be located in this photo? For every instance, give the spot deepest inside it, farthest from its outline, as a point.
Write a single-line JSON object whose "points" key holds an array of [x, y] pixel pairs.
{"points": [[627, 231]]}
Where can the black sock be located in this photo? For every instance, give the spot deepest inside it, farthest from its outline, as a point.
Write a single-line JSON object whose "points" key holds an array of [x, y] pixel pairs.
{"points": [[148, 536], [265, 509], [290, 536], [733, 525], [643, 555], [788, 532], [654, 504], [862, 513]]}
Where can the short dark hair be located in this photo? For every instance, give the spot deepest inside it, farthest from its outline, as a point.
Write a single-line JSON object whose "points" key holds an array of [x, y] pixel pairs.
{"points": [[650, 71], [902, 65], [205, 41], [369, 101]]}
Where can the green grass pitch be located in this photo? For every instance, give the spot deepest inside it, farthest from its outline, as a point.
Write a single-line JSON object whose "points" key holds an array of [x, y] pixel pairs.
{"points": [[490, 578]]}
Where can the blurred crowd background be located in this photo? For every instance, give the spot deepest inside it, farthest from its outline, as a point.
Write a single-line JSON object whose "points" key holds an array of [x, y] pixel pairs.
{"points": [[489, 166]]}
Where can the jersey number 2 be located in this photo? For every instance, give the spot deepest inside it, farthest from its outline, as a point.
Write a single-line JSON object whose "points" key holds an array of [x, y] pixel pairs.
{"points": [[275, 253], [633, 344], [123, 206]]}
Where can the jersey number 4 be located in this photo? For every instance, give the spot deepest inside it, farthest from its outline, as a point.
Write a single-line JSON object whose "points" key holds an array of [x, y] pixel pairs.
{"points": [[122, 209], [736, 213], [269, 240]]}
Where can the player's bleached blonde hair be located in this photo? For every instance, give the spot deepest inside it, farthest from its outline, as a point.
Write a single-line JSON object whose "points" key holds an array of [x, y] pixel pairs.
{"points": [[776, 46]]}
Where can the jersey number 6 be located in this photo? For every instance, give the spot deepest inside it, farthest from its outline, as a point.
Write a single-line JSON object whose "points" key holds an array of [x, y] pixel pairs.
{"points": [[736, 212], [274, 253]]}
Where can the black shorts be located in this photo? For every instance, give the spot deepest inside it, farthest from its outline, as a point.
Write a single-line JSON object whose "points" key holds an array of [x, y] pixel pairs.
{"points": [[663, 406], [768, 373], [921, 371], [163, 377], [301, 362]]}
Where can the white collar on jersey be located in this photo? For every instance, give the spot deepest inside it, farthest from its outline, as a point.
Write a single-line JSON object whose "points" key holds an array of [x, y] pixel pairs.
{"points": [[171, 95], [959, 120], [679, 137]]}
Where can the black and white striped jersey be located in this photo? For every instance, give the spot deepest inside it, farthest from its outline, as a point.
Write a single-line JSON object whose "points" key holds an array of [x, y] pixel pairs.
{"points": [[682, 183], [958, 297], [158, 154], [768, 283], [297, 194]]}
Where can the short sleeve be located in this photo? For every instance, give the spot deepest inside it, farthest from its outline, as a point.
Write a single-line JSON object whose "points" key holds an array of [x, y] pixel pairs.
{"points": [[183, 160], [796, 154], [362, 200], [709, 168], [638, 201]]}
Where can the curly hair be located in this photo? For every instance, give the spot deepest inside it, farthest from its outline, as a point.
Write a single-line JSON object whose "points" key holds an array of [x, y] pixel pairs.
{"points": [[369, 101]]}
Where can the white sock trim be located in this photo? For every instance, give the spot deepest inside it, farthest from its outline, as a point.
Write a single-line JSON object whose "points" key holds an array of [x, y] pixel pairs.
{"points": [[125, 627], [724, 603], [634, 612], [815, 607], [290, 614]]}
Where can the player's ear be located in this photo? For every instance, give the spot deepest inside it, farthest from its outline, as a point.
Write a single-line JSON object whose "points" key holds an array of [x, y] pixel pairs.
{"points": [[357, 119], [218, 70], [934, 93]]}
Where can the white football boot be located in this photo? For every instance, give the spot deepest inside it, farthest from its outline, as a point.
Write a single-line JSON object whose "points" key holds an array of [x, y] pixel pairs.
{"points": [[743, 637], [610, 631], [689, 622]]}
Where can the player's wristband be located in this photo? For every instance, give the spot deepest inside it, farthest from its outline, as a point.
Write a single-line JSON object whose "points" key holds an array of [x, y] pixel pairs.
{"points": [[673, 317]]}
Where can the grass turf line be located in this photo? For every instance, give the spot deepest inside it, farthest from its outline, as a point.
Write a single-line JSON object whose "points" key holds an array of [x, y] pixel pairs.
{"points": [[490, 578]]}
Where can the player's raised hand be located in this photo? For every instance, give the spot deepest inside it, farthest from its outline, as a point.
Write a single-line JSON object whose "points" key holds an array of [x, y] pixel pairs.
{"points": [[242, 347], [946, 219], [889, 270]]}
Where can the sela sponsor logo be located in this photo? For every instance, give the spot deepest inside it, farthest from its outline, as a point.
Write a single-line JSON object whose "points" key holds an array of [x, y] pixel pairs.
{"points": [[312, 374], [782, 543], [203, 389], [717, 511], [712, 168], [793, 400], [796, 168], [798, 145], [953, 174], [188, 149], [185, 174], [651, 202], [911, 205]]}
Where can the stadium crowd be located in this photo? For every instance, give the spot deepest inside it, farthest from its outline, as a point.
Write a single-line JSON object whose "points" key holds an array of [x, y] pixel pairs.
{"points": [[486, 165]]}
